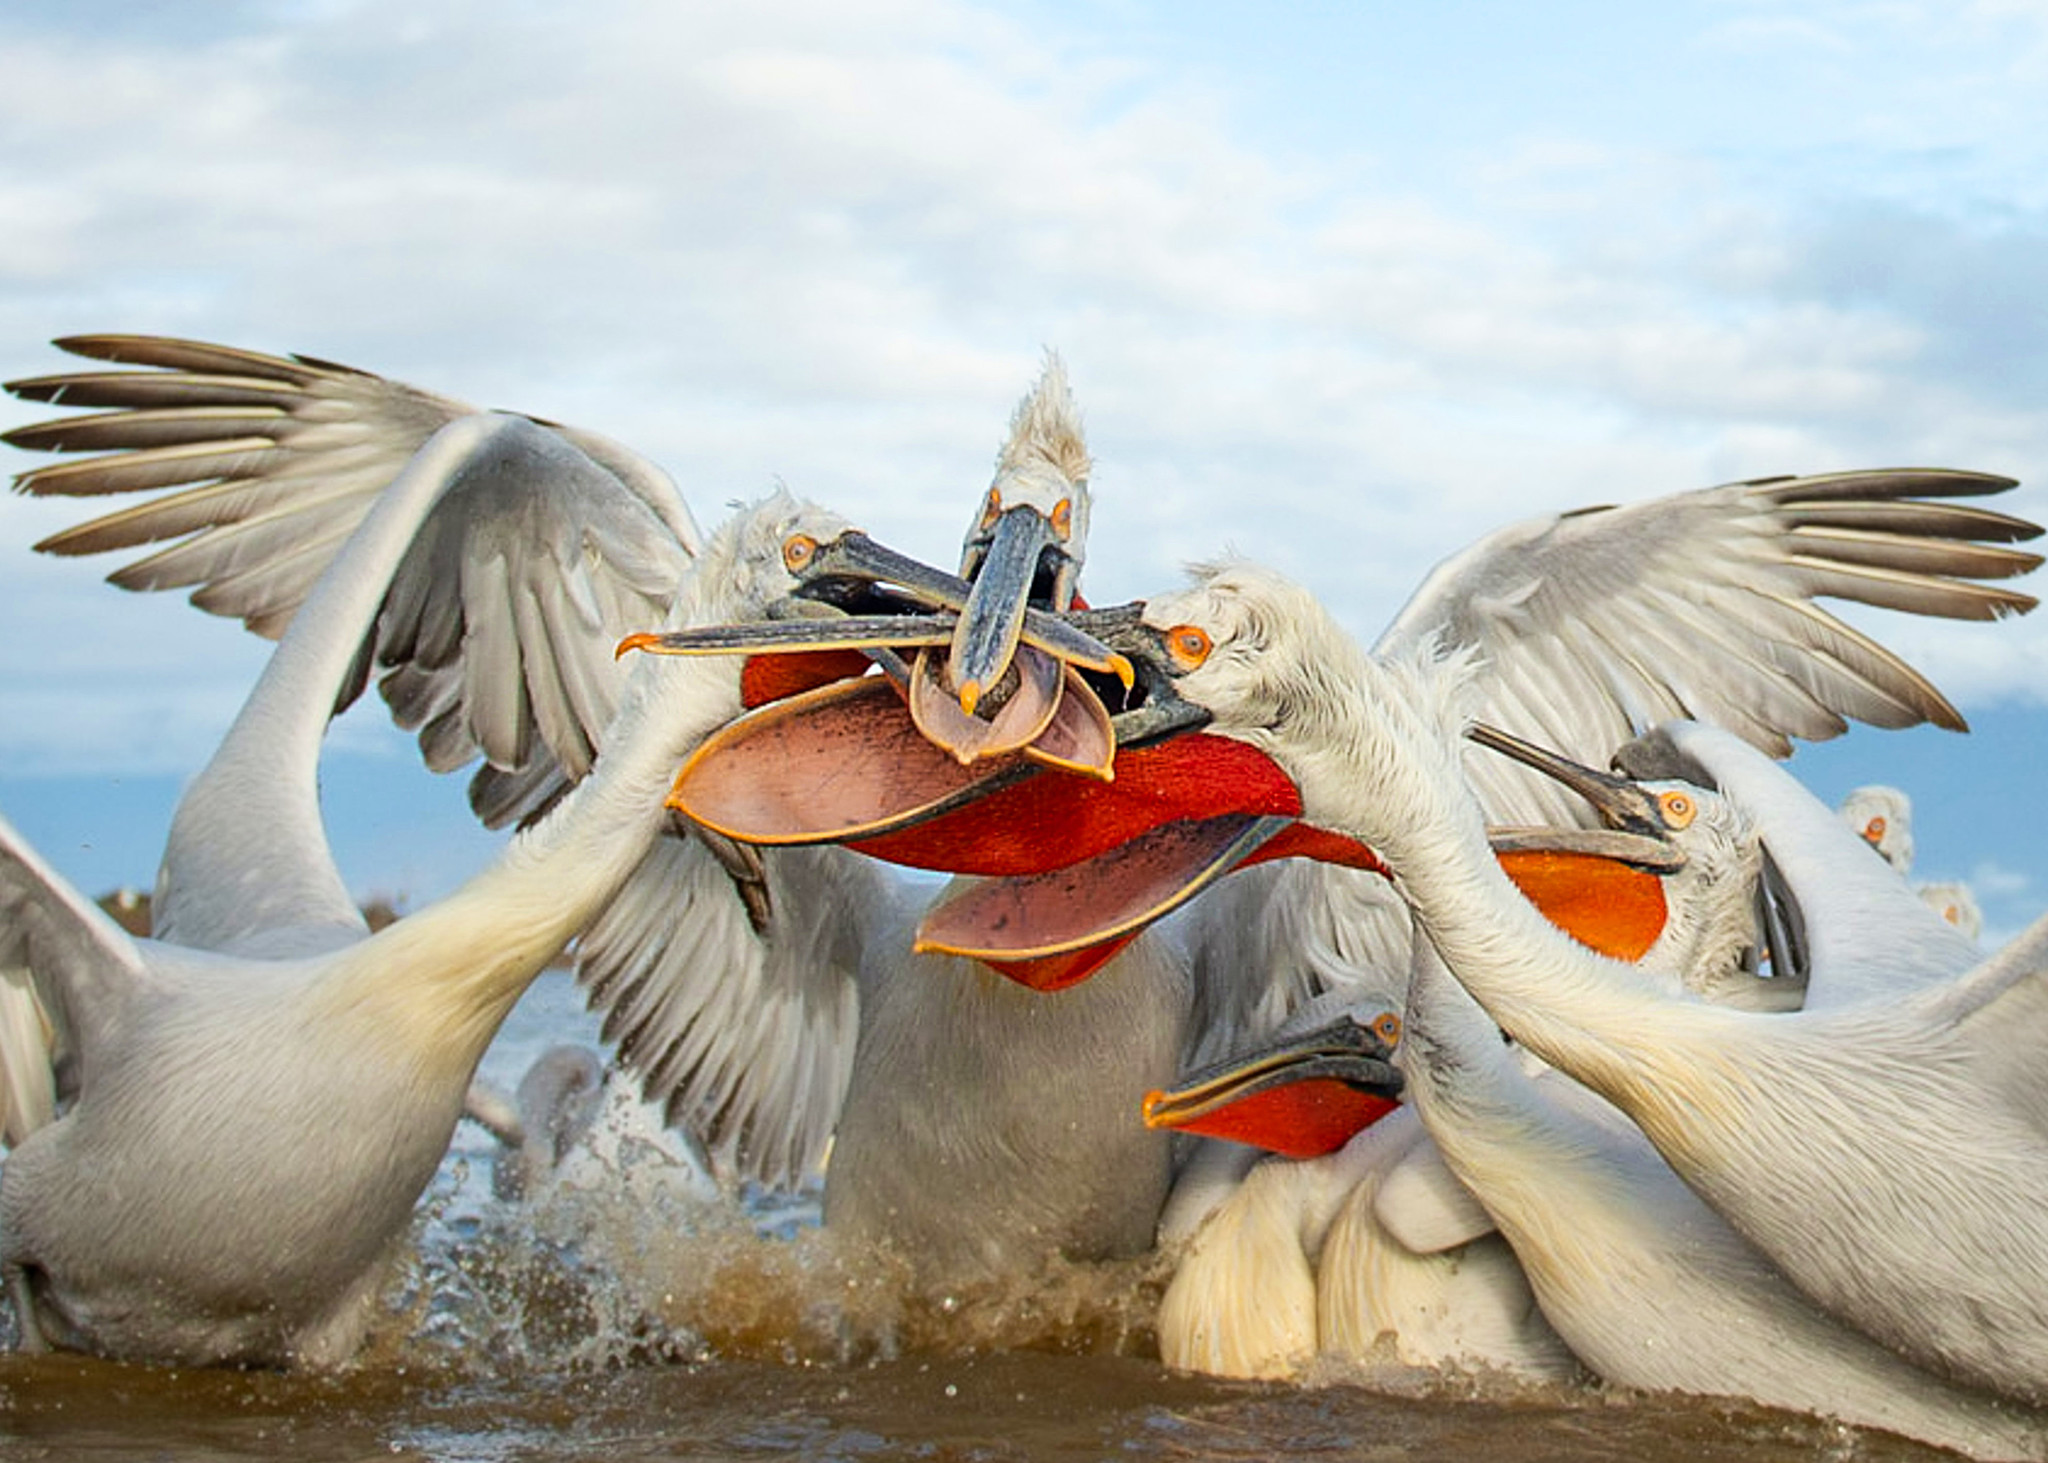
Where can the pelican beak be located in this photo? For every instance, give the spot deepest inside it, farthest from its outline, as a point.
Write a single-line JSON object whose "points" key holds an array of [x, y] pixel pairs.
{"points": [[1303, 1097], [856, 593], [1623, 806], [855, 572], [1602, 886], [1004, 566], [845, 762], [1110, 897], [839, 762]]}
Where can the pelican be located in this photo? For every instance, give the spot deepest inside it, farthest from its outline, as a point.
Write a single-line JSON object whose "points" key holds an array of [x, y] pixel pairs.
{"points": [[950, 1144], [1882, 1147], [1737, 567], [1281, 1259], [261, 1100], [1954, 901], [1029, 541], [1650, 1288], [1645, 1283], [1882, 816]]}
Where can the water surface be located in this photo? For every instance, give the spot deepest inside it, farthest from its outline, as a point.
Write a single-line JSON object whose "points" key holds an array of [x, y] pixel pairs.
{"points": [[587, 1327]]}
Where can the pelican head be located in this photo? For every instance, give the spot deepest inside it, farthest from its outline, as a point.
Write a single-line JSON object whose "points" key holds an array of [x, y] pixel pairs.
{"points": [[1273, 669], [1883, 818], [1306, 1093], [759, 558], [1028, 538]]}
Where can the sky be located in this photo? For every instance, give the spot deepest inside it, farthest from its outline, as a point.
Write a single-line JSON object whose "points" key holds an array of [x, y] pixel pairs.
{"points": [[1339, 286]]}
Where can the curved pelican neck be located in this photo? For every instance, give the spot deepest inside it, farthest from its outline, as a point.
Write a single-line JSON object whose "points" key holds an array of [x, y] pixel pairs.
{"points": [[247, 854], [1387, 772], [450, 973]]}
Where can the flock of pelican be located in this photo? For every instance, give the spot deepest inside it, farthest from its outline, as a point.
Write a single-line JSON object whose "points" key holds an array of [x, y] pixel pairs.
{"points": [[1340, 974]]}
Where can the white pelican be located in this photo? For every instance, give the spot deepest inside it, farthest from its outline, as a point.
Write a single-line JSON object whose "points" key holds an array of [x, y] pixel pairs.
{"points": [[953, 1147], [259, 1105], [1955, 902], [756, 1058], [1371, 1246], [1648, 1286], [1882, 817], [1882, 1147]]}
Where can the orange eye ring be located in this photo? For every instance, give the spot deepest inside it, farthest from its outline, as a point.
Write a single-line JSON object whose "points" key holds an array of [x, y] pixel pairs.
{"points": [[1873, 831], [991, 508], [1188, 646], [798, 550], [1678, 809], [1387, 1027], [1063, 518]]}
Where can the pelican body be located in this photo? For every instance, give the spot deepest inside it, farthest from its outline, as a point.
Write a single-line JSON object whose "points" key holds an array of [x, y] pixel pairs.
{"points": [[763, 1026], [754, 1041], [260, 1104], [1885, 1154]]}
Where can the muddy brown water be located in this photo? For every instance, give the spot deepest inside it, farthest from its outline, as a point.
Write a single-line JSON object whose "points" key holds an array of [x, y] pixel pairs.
{"points": [[586, 1328], [1005, 1405]]}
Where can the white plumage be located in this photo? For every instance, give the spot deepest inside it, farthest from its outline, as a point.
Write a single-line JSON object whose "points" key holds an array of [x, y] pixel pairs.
{"points": [[755, 1042], [263, 1092], [954, 1146], [1881, 1148]]}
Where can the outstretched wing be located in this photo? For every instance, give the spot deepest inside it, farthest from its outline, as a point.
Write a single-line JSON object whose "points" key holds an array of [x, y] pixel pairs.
{"points": [[496, 637], [746, 1041], [1596, 625], [246, 868], [274, 460], [66, 972]]}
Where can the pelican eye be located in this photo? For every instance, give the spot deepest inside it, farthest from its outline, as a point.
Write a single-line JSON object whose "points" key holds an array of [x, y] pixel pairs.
{"points": [[797, 552], [1063, 518], [1678, 809], [1387, 1027], [991, 509], [1873, 831], [1188, 646]]}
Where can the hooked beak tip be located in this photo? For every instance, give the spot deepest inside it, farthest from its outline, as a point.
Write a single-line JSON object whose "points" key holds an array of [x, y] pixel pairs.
{"points": [[970, 695], [1124, 670], [638, 640]]}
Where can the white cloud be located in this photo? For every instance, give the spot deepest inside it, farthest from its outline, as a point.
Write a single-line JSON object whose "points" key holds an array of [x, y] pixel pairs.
{"points": [[827, 242]]}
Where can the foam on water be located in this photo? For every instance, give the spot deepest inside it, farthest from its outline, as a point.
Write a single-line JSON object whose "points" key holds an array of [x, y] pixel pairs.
{"points": [[632, 1255], [631, 1311]]}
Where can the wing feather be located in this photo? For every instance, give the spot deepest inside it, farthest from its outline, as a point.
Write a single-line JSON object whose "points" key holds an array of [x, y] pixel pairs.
{"points": [[69, 973], [747, 1042], [497, 633], [1593, 626]]}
